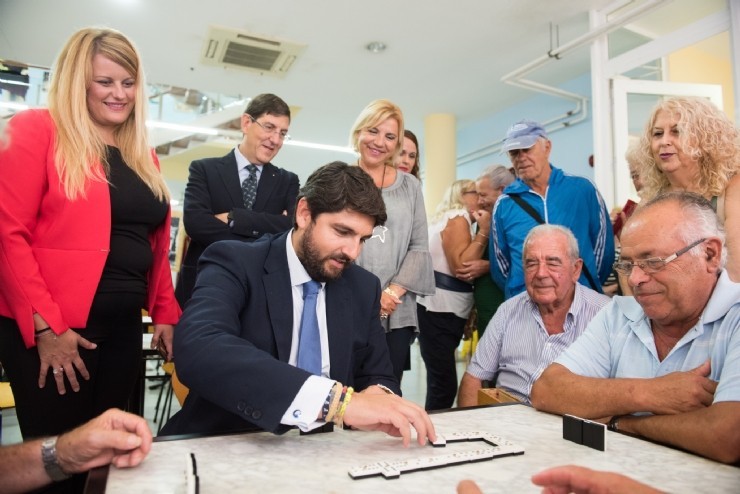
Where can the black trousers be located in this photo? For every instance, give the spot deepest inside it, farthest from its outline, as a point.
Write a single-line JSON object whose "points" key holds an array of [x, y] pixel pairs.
{"points": [[399, 347], [114, 366], [439, 335]]}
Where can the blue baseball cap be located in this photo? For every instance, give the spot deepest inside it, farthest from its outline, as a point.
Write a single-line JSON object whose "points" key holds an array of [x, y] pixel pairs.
{"points": [[523, 135]]}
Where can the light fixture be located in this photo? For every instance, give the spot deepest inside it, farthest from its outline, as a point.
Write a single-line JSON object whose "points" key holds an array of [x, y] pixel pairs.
{"points": [[375, 47]]}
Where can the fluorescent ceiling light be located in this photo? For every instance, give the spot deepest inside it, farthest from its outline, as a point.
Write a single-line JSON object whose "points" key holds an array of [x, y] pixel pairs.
{"points": [[208, 131], [325, 147], [183, 128], [16, 83], [13, 106]]}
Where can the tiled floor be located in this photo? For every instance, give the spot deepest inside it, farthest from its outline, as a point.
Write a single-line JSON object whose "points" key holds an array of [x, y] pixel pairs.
{"points": [[413, 387]]}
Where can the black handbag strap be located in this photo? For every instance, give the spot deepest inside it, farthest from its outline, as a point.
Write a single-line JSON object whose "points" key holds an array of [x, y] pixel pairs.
{"points": [[527, 207]]}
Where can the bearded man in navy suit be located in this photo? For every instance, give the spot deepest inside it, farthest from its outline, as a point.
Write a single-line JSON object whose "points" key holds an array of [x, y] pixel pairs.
{"points": [[215, 204], [237, 343]]}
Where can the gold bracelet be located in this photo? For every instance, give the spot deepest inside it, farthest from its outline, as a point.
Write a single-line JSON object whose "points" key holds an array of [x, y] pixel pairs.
{"points": [[339, 417], [479, 243], [482, 235], [390, 292]]}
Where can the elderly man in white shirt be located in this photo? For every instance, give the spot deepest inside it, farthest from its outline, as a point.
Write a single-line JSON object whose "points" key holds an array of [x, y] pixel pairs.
{"points": [[531, 329], [664, 364]]}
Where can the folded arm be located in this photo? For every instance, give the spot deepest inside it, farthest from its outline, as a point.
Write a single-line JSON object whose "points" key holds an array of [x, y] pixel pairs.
{"points": [[559, 390], [712, 431]]}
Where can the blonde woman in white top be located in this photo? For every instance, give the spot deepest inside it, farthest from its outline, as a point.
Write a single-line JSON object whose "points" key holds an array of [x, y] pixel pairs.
{"points": [[442, 316]]}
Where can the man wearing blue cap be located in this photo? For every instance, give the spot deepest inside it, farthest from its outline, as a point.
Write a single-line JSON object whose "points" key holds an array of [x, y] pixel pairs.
{"points": [[543, 193]]}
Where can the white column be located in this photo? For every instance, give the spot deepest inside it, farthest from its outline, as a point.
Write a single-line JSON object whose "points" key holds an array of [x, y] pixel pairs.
{"points": [[601, 121]]}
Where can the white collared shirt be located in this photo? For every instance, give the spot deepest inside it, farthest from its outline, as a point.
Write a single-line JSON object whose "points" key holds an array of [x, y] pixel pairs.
{"points": [[241, 166], [307, 404]]}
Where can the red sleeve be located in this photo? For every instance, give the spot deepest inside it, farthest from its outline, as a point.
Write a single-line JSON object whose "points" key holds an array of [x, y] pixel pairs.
{"points": [[162, 305]]}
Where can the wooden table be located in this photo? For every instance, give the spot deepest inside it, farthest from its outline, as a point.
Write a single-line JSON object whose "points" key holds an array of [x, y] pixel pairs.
{"points": [[319, 463]]}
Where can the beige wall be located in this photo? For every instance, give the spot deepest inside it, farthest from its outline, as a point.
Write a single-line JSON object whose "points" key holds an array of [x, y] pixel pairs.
{"points": [[696, 65]]}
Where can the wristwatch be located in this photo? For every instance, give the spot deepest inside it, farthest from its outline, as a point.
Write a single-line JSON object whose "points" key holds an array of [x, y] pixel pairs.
{"points": [[51, 462], [613, 424], [230, 218]]}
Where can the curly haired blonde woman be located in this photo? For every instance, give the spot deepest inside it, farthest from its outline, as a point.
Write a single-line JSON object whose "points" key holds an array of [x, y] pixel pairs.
{"points": [[689, 144], [84, 236]]}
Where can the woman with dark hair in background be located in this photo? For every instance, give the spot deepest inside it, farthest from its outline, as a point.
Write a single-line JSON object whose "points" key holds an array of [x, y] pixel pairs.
{"points": [[408, 159]]}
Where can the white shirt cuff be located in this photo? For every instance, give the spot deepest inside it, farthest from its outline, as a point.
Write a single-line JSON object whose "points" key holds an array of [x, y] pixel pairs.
{"points": [[307, 404]]}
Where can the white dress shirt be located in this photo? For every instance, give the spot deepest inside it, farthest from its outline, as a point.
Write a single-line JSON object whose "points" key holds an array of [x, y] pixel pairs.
{"points": [[307, 404]]}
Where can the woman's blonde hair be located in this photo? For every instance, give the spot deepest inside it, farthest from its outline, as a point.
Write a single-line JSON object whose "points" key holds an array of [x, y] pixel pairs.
{"points": [[453, 197], [705, 133], [373, 114], [79, 146]]}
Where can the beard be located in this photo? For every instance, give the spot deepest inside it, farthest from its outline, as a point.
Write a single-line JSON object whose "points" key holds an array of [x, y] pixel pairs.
{"points": [[316, 266]]}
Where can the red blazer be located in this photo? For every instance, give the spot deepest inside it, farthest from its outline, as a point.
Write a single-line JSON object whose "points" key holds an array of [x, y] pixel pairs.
{"points": [[52, 250]]}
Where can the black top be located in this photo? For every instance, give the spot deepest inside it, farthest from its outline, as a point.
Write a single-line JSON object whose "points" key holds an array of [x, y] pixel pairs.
{"points": [[135, 213]]}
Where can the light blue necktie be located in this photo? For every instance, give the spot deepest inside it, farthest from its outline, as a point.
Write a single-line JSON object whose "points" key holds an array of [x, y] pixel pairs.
{"points": [[309, 341]]}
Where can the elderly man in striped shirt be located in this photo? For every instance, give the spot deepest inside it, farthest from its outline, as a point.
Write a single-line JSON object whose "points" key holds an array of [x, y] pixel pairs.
{"points": [[530, 330]]}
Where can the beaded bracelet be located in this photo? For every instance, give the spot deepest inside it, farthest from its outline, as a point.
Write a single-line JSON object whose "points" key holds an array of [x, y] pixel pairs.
{"points": [[330, 416], [328, 401]]}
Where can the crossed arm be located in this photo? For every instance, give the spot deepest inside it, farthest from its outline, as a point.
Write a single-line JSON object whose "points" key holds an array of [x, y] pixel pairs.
{"points": [[682, 403]]}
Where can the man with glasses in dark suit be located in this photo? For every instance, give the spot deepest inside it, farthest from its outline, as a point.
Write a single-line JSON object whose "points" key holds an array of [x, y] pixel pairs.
{"points": [[242, 195]]}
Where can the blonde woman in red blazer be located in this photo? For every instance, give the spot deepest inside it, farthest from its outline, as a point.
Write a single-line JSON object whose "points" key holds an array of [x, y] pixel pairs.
{"points": [[84, 239]]}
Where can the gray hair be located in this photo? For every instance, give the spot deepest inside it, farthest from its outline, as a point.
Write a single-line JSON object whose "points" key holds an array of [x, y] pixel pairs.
{"points": [[499, 176], [547, 229], [702, 221]]}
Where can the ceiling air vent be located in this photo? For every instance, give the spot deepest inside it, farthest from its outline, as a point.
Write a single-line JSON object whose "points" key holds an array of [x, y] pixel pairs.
{"points": [[230, 48]]}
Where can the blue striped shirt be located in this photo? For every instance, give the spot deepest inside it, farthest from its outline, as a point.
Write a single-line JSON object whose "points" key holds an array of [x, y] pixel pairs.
{"points": [[517, 347], [620, 343]]}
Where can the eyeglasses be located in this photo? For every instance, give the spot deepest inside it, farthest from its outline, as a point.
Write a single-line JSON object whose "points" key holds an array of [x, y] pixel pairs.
{"points": [[654, 264], [271, 129]]}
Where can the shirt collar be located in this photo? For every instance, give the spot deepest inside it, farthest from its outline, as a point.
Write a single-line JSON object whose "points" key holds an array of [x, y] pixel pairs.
{"points": [[573, 310], [726, 293], [298, 274], [242, 161]]}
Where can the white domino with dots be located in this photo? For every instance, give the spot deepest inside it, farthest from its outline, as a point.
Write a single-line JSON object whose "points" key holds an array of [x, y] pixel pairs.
{"points": [[497, 447]]}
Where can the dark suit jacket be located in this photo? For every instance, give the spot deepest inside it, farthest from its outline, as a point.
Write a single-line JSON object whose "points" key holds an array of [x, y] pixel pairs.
{"points": [[232, 345], [213, 188]]}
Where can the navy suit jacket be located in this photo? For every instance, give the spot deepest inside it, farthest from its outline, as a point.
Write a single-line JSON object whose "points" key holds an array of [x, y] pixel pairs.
{"points": [[213, 188], [232, 344]]}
